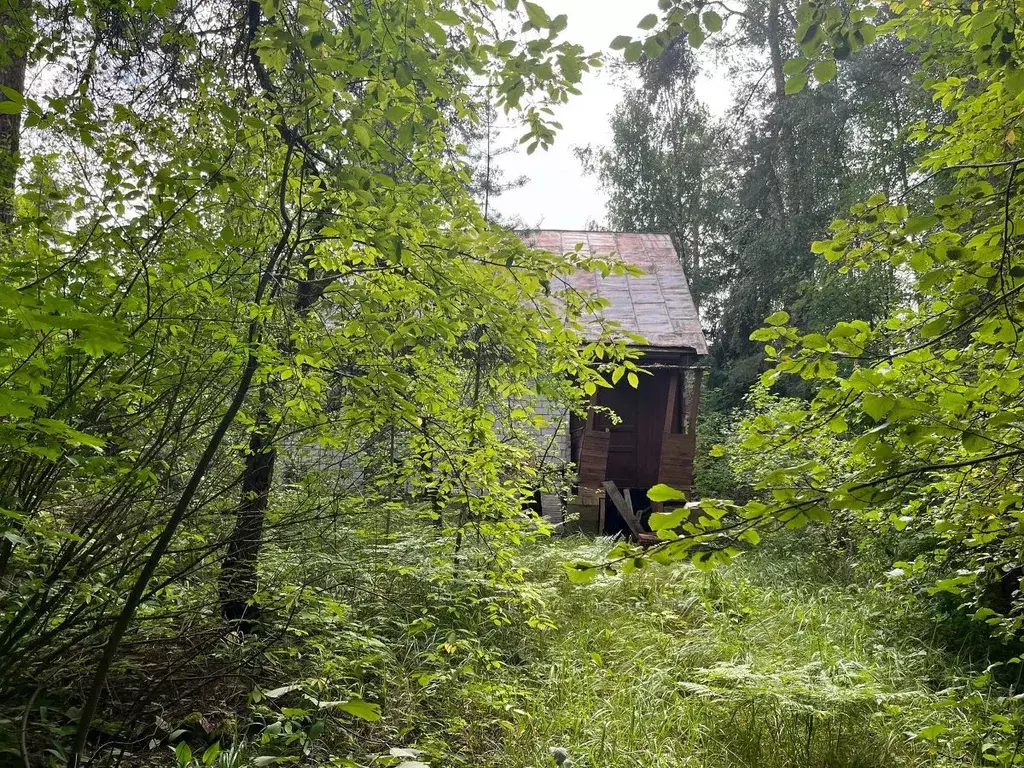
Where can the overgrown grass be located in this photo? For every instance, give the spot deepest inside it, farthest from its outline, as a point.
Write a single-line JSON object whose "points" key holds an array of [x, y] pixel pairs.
{"points": [[746, 666], [782, 659]]}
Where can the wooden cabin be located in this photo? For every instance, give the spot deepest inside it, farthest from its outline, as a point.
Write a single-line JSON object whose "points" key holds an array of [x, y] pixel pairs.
{"points": [[654, 440]]}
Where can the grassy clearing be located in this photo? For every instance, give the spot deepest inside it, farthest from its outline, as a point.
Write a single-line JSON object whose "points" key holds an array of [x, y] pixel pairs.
{"points": [[755, 665], [779, 660]]}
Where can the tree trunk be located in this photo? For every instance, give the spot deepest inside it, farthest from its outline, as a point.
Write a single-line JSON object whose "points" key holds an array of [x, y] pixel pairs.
{"points": [[695, 277], [783, 129], [239, 575], [15, 38]]}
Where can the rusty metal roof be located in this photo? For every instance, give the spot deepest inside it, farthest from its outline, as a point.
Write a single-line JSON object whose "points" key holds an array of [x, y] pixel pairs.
{"points": [[657, 305]]}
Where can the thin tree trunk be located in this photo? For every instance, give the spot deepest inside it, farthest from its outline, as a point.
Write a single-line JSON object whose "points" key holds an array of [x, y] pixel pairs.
{"points": [[695, 260], [775, 49], [783, 128], [239, 574], [15, 37]]}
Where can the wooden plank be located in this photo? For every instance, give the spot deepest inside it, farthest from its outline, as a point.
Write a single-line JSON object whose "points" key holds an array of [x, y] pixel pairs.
{"points": [[652, 397], [676, 466], [593, 461], [577, 426], [693, 405], [625, 509], [622, 450], [591, 413], [628, 498], [670, 404]]}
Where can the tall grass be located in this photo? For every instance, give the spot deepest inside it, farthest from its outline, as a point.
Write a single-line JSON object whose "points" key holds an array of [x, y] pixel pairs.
{"points": [[747, 666], [782, 659]]}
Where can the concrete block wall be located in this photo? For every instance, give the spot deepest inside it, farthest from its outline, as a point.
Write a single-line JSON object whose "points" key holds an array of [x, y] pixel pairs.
{"points": [[553, 451]]}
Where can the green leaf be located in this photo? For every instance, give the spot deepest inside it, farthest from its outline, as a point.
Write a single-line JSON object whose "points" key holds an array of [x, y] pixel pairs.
{"points": [[211, 753], [778, 318], [10, 107], [918, 224], [265, 760], [653, 47], [704, 561], [815, 341], [808, 34], [750, 536], [633, 379], [921, 261], [932, 732], [877, 406], [795, 67], [183, 754], [975, 443], [403, 74], [537, 15], [712, 21], [648, 22], [15, 404], [277, 693], [364, 710], [633, 52], [825, 70], [818, 515], [362, 134], [837, 424], [580, 572], [662, 493], [795, 84], [1014, 81], [621, 42], [660, 521], [764, 334]]}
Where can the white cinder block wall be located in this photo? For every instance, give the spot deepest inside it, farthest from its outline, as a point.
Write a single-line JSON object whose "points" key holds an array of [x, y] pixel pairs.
{"points": [[553, 454]]}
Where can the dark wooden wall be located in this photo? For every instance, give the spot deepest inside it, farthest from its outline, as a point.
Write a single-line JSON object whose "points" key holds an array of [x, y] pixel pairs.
{"points": [[654, 440], [634, 449]]}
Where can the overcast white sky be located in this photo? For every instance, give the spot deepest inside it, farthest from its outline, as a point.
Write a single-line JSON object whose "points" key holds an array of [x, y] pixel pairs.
{"points": [[558, 196]]}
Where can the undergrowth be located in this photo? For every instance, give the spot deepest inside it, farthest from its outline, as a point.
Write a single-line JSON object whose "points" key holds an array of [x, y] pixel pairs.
{"points": [[746, 666], [403, 657]]}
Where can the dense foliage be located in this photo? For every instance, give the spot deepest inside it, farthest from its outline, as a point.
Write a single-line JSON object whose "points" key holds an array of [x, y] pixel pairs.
{"points": [[246, 293], [925, 403], [269, 375]]}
